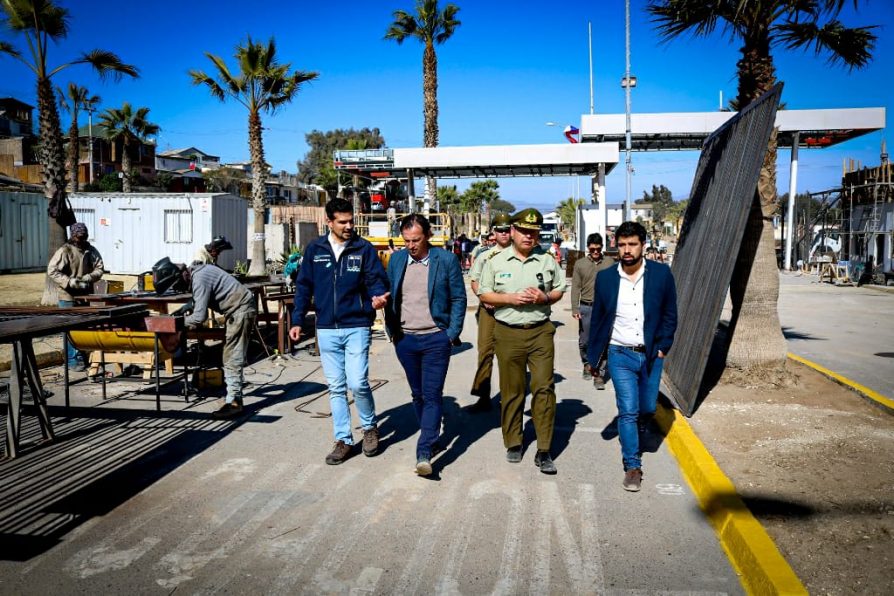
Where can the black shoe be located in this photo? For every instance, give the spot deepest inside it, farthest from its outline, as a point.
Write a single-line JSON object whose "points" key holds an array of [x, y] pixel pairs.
{"points": [[230, 410], [514, 454], [482, 405], [543, 461]]}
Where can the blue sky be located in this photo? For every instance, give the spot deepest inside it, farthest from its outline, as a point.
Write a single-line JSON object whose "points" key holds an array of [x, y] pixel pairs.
{"points": [[508, 70]]}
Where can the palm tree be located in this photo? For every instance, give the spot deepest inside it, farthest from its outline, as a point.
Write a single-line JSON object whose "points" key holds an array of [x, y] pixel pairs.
{"points": [[72, 100], [40, 22], [760, 26], [127, 126], [430, 26], [261, 85]]}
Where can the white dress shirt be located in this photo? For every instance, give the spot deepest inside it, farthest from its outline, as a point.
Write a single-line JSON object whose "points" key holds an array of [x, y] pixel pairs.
{"points": [[628, 326], [337, 247]]}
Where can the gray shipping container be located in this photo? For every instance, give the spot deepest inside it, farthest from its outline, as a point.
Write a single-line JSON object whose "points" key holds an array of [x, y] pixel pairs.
{"points": [[133, 231], [23, 232]]}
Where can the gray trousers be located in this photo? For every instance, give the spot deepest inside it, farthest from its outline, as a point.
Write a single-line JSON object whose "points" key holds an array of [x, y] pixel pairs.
{"points": [[583, 337], [235, 351]]}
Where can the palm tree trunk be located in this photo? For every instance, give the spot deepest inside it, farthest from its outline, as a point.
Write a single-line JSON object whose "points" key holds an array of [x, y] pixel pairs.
{"points": [[258, 194], [430, 107], [74, 148], [52, 161], [757, 340], [125, 164]]}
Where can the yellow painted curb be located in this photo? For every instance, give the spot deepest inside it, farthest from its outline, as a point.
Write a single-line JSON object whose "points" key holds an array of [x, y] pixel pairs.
{"points": [[761, 567], [868, 393]]}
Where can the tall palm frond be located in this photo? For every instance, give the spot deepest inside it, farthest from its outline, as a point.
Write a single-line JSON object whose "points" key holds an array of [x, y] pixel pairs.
{"points": [[261, 84], [40, 22]]}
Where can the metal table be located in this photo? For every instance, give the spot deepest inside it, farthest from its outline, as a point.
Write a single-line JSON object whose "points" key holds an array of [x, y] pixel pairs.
{"points": [[19, 326]]}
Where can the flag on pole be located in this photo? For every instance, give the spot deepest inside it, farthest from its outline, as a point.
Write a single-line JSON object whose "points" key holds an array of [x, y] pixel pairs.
{"points": [[571, 133]]}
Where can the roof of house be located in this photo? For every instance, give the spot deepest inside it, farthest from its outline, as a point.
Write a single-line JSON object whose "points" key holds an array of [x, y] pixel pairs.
{"points": [[13, 100], [186, 152]]}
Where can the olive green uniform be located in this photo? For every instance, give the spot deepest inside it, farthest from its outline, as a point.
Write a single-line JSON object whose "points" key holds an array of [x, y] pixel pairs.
{"points": [[481, 385], [524, 341]]}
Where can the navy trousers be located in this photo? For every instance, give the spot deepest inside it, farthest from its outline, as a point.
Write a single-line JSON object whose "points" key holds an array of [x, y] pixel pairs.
{"points": [[425, 359]]}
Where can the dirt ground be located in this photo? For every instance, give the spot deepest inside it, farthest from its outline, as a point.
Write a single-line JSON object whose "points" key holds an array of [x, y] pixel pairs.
{"points": [[813, 460], [815, 464]]}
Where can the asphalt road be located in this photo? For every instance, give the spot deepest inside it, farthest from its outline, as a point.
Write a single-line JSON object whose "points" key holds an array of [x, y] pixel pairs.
{"points": [[127, 501], [846, 329]]}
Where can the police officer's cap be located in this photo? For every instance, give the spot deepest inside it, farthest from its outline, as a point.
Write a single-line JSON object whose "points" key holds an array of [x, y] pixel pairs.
{"points": [[500, 220], [528, 219]]}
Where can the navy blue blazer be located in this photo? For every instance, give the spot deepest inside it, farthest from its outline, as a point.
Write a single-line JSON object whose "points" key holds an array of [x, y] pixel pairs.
{"points": [[659, 308], [446, 291]]}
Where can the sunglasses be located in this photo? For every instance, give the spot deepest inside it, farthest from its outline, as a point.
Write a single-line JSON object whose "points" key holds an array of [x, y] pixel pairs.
{"points": [[594, 249]]}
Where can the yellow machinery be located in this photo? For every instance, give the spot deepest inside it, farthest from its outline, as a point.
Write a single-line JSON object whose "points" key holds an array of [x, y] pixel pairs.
{"points": [[127, 347]]}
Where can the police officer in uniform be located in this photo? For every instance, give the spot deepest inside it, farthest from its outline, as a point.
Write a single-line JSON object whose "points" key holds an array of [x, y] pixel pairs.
{"points": [[521, 283], [481, 385]]}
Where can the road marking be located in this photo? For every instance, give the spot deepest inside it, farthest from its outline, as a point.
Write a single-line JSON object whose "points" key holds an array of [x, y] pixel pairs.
{"points": [[187, 558], [292, 550], [367, 581], [669, 489]]}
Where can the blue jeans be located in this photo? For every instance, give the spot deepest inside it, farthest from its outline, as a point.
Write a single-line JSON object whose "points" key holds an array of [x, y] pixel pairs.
{"points": [[345, 357], [425, 359], [73, 356], [636, 393]]}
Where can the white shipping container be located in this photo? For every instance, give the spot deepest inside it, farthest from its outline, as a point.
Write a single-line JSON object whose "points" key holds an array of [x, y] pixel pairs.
{"points": [[23, 232], [133, 231]]}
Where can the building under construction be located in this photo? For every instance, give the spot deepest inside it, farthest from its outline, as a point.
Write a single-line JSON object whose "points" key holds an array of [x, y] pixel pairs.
{"points": [[867, 207], [854, 223]]}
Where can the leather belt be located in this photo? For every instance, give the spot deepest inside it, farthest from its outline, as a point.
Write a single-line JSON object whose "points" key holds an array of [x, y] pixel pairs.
{"points": [[640, 348], [587, 302], [525, 326]]}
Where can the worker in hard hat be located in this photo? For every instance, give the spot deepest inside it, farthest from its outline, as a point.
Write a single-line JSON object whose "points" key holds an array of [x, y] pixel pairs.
{"points": [[214, 288]]}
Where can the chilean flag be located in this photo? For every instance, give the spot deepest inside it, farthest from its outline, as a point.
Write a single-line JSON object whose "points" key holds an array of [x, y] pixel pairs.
{"points": [[571, 133]]}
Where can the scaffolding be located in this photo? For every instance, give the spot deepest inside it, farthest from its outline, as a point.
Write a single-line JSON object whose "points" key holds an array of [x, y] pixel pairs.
{"points": [[857, 219]]}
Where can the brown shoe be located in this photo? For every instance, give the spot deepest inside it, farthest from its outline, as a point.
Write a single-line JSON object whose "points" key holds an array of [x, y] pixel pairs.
{"points": [[341, 451], [633, 479], [371, 441], [599, 382]]}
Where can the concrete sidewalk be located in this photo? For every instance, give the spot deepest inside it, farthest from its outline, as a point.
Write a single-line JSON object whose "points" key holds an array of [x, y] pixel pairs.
{"points": [[129, 501]]}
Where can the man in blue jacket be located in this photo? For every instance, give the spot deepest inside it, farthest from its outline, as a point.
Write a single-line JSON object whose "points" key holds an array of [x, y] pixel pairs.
{"points": [[343, 275], [635, 317], [424, 315]]}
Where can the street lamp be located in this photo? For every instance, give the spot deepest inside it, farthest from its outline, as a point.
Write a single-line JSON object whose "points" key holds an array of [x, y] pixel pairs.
{"points": [[627, 82]]}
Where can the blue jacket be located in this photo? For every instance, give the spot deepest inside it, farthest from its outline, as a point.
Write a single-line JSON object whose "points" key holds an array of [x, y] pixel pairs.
{"points": [[342, 290], [659, 309], [446, 291]]}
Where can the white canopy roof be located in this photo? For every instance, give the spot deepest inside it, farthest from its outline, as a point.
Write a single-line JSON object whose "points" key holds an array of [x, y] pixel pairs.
{"points": [[688, 130]]}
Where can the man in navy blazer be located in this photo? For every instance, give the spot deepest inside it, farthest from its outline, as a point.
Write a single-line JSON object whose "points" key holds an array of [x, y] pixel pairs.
{"points": [[424, 315], [635, 318]]}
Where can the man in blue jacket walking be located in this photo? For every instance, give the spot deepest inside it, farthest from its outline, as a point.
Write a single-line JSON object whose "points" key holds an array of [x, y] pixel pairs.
{"points": [[343, 275], [424, 315], [635, 317]]}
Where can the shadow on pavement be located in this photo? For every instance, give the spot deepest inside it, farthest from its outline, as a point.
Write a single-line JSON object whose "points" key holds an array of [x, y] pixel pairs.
{"points": [[101, 458]]}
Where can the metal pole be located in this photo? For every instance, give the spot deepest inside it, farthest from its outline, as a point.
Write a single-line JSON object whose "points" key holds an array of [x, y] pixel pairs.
{"points": [[627, 108], [792, 188], [90, 134], [590, 46], [411, 192]]}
